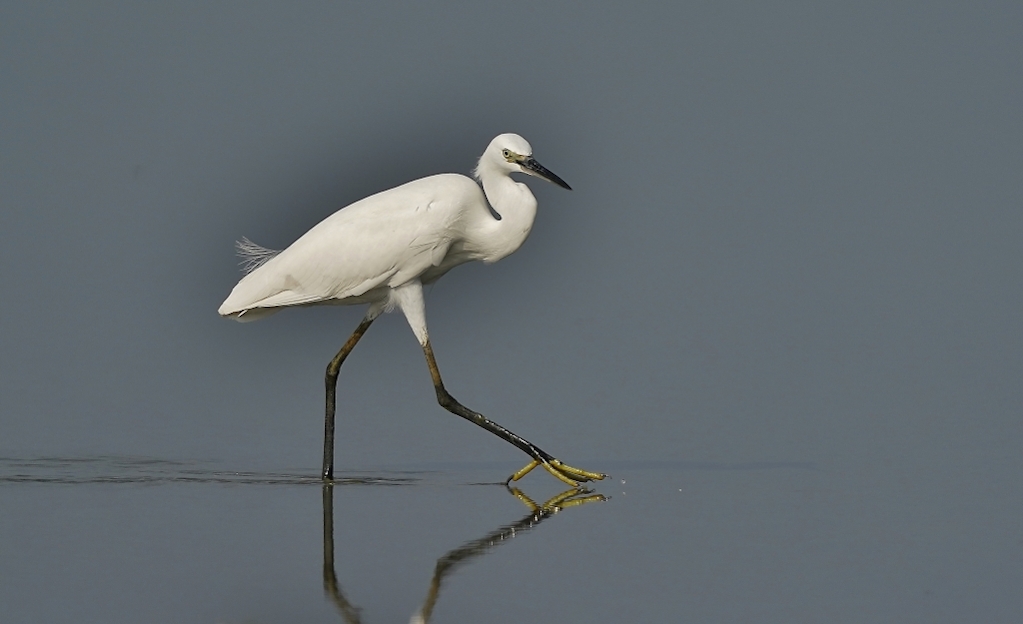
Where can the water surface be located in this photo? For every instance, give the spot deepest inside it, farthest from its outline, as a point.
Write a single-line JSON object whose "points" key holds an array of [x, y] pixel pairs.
{"points": [[141, 539]]}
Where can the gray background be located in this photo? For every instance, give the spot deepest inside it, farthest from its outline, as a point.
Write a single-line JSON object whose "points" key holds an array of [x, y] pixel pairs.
{"points": [[794, 239]]}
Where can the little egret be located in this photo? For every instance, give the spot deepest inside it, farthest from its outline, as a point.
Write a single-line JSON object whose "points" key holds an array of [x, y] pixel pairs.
{"points": [[382, 249]]}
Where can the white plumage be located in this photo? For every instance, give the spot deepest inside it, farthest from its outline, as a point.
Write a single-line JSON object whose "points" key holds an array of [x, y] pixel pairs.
{"points": [[415, 232], [382, 249]]}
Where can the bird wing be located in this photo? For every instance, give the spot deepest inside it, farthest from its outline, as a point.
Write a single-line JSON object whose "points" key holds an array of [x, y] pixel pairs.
{"points": [[384, 240]]}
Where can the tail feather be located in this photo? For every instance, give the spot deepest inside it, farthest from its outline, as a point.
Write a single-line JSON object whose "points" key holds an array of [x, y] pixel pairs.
{"points": [[252, 314], [252, 255]]}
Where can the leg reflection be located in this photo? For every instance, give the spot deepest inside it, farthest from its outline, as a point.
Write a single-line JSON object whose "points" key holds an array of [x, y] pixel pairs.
{"points": [[454, 558], [538, 513], [349, 612]]}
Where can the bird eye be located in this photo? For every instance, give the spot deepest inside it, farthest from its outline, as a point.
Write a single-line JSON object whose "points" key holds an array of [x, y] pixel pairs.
{"points": [[506, 154]]}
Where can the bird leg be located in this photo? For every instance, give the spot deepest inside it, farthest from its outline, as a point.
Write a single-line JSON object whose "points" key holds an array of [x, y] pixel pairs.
{"points": [[571, 476], [559, 470], [331, 382]]}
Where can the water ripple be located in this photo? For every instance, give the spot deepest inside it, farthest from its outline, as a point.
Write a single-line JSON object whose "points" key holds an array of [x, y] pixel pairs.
{"points": [[152, 471]]}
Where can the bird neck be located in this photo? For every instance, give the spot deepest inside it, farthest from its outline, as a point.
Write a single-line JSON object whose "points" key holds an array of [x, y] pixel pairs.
{"points": [[516, 206]]}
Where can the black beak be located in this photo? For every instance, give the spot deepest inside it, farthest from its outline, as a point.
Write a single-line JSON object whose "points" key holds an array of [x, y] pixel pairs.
{"points": [[530, 166]]}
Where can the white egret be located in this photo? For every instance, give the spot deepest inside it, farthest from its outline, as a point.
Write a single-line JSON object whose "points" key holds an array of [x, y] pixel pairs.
{"points": [[381, 250]]}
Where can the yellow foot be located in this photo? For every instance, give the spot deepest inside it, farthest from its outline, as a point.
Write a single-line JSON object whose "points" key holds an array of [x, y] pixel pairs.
{"points": [[568, 498], [568, 474]]}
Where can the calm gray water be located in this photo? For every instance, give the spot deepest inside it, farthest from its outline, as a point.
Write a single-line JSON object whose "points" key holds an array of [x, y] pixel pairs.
{"points": [[781, 306], [130, 539]]}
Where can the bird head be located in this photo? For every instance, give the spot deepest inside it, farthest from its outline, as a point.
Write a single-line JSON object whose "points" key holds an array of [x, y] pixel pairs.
{"points": [[510, 153]]}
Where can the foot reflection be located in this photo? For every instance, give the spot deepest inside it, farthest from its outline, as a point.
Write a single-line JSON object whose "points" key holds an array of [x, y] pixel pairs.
{"points": [[454, 558]]}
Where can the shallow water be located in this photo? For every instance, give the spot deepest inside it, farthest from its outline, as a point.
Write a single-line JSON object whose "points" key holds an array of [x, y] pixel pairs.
{"points": [[137, 539]]}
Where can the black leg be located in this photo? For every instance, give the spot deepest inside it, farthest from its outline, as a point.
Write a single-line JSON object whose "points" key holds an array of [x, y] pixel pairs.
{"points": [[331, 382], [540, 457]]}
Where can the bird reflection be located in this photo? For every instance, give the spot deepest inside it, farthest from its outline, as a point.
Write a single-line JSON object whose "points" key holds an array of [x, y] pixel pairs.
{"points": [[454, 558]]}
